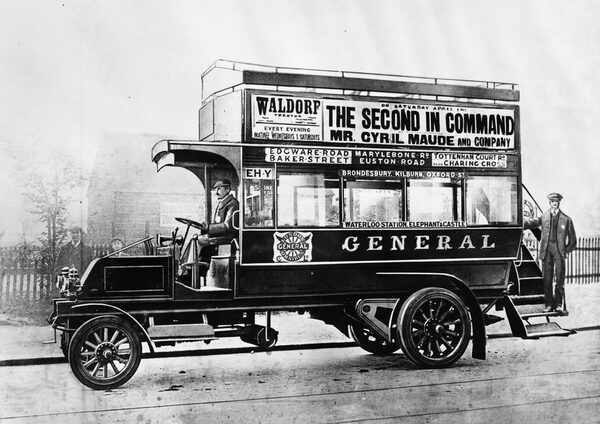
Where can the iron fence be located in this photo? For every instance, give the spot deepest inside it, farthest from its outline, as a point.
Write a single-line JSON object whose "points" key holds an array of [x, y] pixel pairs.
{"points": [[583, 264]]}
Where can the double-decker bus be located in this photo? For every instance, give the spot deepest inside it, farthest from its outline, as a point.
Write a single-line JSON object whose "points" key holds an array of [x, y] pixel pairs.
{"points": [[389, 207]]}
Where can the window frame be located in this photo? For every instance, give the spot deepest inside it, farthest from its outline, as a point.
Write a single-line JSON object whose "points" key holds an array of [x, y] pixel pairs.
{"points": [[518, 221], [403, 184], [399, 184], [458, 209], [328, 174]]}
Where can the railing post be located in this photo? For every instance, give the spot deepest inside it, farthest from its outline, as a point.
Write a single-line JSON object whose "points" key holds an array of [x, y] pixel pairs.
{"points": [[2, 274], [14, 263]]}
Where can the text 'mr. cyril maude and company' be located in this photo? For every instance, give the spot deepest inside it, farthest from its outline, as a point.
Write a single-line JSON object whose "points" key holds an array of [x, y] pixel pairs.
{"points": [[418, 125]]}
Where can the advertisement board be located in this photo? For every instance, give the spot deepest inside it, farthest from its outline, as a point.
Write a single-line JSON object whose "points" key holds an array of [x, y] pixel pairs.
{"points": [[293, 118]]}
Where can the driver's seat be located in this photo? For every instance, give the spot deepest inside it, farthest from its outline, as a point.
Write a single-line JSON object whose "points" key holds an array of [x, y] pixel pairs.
{"points": [[192, 271], [221, 273]]}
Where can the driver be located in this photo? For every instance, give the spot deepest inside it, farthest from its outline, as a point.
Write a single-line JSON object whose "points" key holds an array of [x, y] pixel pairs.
{"points": [[222, 223]]}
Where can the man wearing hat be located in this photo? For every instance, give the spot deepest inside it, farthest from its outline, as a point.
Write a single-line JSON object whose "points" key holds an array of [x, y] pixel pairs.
{"points": [[222, 223], [74, 254], [558, 240]]}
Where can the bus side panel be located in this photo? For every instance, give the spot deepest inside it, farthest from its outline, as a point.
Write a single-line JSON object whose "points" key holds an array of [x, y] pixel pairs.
{"points": [[351, 245], [367, 279]]}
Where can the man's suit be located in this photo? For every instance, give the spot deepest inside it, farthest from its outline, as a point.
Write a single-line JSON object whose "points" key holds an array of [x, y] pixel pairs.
{"points": [[558, 239], [222, 225], [78, 256]]}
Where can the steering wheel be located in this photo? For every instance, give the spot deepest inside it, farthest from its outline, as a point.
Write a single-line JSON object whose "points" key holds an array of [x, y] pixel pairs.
{"points": [[192, 223]]}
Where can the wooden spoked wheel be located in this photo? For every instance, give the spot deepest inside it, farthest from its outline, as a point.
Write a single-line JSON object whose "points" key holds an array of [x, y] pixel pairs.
{"points": [[434, 326], [105, 352]]}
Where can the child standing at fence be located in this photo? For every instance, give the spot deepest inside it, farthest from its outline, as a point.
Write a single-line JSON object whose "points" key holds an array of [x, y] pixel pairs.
{"points": [[558, 240]]}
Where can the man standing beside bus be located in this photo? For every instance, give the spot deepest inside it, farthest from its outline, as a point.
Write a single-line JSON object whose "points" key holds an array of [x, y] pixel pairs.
{"points": [[558, 240], [75, 254]]}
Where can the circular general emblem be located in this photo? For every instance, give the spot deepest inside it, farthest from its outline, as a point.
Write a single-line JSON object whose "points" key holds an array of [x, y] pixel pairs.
{"points": [[293, 246]]}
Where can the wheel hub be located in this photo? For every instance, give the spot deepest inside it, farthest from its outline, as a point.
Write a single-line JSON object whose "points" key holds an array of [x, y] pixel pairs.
{"points": [[433, 327], [105, 352]]}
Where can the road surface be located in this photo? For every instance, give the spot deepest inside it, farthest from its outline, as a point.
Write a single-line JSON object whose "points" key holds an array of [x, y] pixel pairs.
{"points": [[554, 380]]}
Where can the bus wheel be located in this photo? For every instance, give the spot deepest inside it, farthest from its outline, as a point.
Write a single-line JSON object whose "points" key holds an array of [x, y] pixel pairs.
{"points": [[105, 352], [434, 327], [370, 341]]}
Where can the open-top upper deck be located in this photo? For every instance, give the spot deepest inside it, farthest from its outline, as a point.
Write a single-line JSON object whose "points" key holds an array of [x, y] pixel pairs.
{"points": [[225, 76], [251, 103]]}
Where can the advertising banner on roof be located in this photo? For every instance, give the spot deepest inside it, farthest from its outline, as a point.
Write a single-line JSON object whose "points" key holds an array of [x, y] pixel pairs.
{"points": [[307, 119]]}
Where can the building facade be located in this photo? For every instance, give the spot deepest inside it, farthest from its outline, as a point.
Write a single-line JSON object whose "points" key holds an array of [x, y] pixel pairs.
{"points": [[128, 199]]}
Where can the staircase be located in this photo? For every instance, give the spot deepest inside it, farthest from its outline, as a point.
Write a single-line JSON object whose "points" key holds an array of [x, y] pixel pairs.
{"points": [[524, 300], [520, 317], [528, 302]]}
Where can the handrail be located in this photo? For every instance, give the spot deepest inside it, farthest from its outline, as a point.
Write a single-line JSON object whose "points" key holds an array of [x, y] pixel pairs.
{"points": [[144, 240], [235, 66], [532, 198]]}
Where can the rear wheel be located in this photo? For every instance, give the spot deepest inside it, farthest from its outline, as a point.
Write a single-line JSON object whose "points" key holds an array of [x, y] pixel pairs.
{"points": [[105, 352], [371, 342], [434, 327]]}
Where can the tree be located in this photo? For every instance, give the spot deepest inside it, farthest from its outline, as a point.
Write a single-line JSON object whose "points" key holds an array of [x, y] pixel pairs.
{"points": [[50, 183]]}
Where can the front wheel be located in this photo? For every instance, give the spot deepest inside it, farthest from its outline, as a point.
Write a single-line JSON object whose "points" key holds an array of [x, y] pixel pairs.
{"points": [[434, 327], [370, 341], [105, 352]]}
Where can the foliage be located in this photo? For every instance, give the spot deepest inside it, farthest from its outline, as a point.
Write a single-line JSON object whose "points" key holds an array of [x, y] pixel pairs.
{"points": [[50, 184]]}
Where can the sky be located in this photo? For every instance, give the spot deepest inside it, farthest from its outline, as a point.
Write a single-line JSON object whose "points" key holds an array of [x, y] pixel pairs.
{"points": [[73, 71]]}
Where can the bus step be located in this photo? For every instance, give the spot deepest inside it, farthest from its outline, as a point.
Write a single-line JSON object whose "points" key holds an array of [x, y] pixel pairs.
{"points": [[526, 261], [531, 311], [534, 299], [517, 314], [546, 329]]}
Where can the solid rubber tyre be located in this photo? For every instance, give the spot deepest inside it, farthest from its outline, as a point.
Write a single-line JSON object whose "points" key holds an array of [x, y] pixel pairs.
{"points": [[105, 345], [434, 327]]}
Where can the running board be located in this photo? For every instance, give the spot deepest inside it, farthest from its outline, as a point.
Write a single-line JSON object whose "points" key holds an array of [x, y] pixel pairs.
{"points": [[182, 332], [525, 330]]}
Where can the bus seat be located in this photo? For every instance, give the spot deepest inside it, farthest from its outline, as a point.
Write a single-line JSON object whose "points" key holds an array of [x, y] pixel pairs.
{"points": [[220, 272]]}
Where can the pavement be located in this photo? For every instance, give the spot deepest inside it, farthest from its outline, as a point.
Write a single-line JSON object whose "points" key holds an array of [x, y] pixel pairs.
{"points": [[21, 342]]}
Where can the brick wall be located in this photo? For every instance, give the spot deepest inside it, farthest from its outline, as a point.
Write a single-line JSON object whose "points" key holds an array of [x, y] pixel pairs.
{"points": [[125, 191], [137, 214]]}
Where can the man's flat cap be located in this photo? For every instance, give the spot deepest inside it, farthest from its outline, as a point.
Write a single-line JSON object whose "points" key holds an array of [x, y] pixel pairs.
{"points": [[222, 183], [74, 228], [555, 196]]}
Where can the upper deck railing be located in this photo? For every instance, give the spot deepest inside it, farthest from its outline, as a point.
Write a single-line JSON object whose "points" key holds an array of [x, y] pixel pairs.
{"points": [[225, 76]]}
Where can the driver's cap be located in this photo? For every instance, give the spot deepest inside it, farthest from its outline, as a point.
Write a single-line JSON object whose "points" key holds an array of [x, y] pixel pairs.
{"points": [[555, 196], [222, 183]]}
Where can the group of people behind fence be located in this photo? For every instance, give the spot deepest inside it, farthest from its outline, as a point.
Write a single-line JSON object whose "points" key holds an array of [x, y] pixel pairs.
{"points": [[76, 254]]}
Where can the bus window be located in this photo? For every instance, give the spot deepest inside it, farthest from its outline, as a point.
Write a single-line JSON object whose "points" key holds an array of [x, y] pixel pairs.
{"points": [[435, 199], [491, 200], [258, 201], [372, 201], [308, 199]]}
